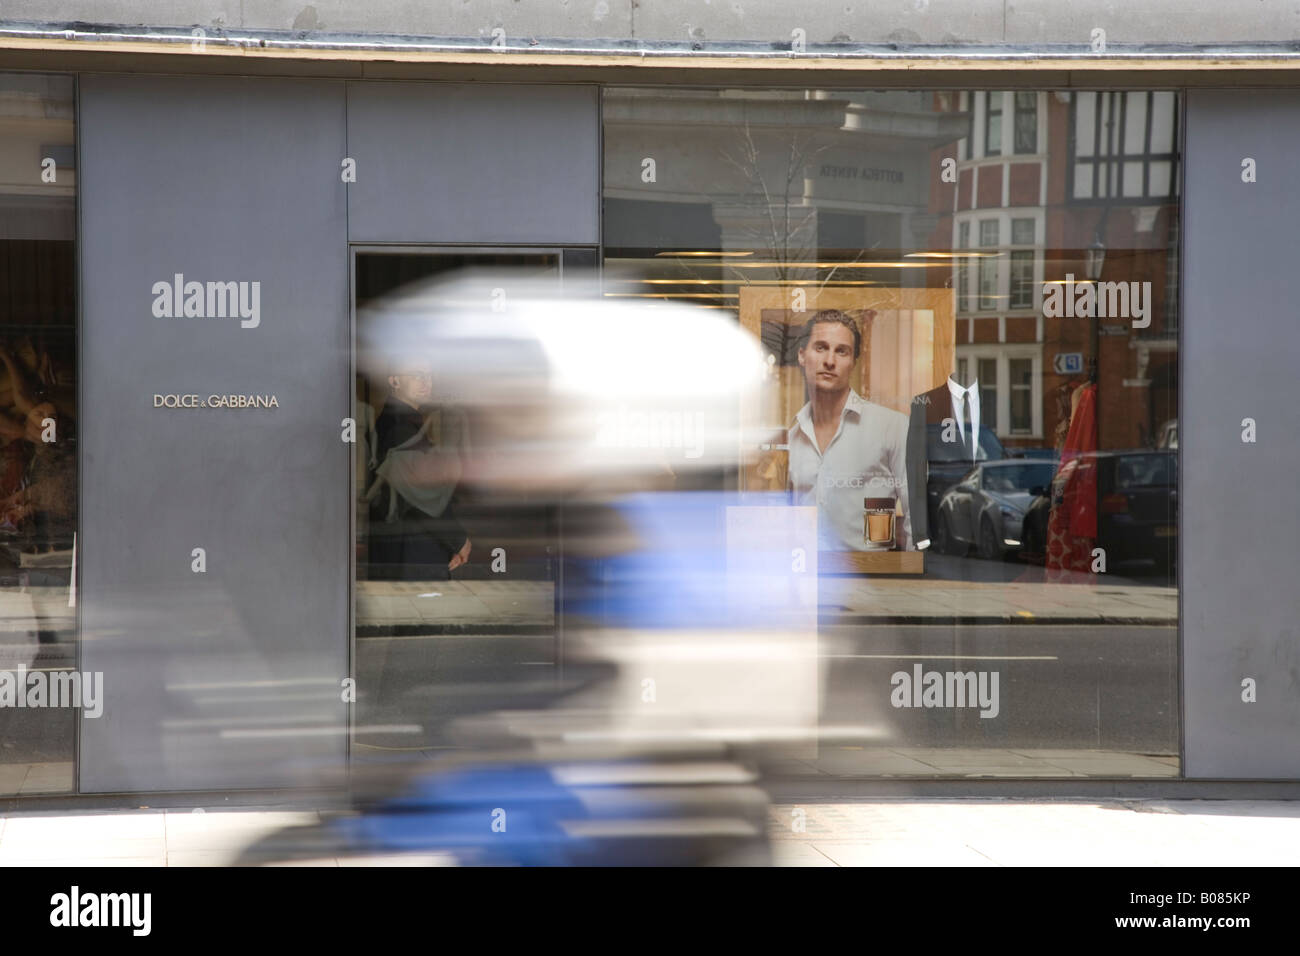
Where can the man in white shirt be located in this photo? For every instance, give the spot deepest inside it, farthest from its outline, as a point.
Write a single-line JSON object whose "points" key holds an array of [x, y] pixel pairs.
{"points": [[844, 448]]}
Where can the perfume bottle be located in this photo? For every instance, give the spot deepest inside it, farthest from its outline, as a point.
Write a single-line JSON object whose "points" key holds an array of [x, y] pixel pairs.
{"points": [[878, 523]]}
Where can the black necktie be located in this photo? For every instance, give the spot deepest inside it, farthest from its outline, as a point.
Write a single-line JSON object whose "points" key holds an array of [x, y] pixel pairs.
{"points": [[967, 429]]}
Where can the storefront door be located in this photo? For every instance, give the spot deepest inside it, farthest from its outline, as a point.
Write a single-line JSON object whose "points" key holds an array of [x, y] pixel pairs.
{"points": [[454, 582]]}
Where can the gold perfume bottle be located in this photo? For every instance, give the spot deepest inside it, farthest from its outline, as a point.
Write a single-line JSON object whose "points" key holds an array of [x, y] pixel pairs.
{"points": [[878, 523]]}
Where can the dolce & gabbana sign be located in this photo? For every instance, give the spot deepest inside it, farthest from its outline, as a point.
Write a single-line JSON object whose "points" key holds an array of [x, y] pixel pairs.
{"points": [[215, 401]]}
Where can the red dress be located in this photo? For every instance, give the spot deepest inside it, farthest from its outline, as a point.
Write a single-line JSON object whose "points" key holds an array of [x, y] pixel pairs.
{"points": [[1072, 524]]}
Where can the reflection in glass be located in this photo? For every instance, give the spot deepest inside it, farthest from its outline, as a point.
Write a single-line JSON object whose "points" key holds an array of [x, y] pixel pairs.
{"points": [[784, 205], [38, 433], [454, 591]]}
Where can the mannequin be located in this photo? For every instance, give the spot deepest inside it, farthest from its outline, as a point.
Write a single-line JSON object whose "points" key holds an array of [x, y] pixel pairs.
{"points": [[930, 410]]}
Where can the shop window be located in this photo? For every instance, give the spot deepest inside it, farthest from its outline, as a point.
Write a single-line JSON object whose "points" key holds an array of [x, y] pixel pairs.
{"points": [[38, 430], [793, 181]]}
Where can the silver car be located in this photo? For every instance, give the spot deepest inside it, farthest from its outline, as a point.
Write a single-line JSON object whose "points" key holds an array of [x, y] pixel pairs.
{"points": [[987, 507]]}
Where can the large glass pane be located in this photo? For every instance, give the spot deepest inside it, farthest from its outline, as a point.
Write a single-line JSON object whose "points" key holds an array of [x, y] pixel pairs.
{"points": [[40, 689], [454, 600], [1012, 441]]}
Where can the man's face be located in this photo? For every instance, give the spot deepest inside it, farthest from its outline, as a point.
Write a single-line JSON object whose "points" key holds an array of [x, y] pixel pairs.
{"points": [[412, 382], [827, 359]]}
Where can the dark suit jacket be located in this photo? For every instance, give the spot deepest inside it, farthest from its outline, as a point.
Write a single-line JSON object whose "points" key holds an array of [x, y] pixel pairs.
{"points": [[929, 408]]}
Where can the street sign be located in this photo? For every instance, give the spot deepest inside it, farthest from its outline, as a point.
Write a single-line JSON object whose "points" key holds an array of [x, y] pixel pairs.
{"points": [[1068, 363]]}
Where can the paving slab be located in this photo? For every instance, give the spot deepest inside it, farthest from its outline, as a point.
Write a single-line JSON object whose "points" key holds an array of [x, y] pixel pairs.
{"points": [[886, 832]]}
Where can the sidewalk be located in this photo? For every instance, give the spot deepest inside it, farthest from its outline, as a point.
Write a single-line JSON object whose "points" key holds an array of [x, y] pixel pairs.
{"points": [[934, 602], [970, 832], [965, 832], [525, 606], [388, 608]]}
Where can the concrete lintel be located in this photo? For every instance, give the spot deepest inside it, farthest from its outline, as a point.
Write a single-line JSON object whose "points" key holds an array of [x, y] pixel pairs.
{"points": [[702, 56]]}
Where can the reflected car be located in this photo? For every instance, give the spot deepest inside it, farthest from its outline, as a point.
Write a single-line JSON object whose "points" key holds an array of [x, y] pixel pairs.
{"points": [[986, 508], [947, 466], [1137, 508]]}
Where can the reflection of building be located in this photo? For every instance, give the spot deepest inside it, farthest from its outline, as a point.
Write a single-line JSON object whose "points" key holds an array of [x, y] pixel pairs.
{"points": [[1123, 190], [816, 187], [1042, 179], [999, 213], [841, 189], [38, 413]]}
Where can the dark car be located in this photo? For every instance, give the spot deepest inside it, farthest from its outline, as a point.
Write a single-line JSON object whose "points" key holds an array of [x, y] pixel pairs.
{"points": [[947, 464], [1137, 508], [987, 506]]}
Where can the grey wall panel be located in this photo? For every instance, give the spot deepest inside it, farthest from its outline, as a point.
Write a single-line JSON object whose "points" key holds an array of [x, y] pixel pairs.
{"points": [[1240, 523], [228, 678], [458, 163]]}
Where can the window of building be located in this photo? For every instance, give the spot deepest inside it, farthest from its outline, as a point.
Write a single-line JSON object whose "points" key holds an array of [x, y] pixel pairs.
{"points": [[1123, 145], [1022, 232], [1010, 385], [988, 376], [988, 265], [988, 232], [1021, 376], [963, 268], [1008, 273], [1026, 120], [963, 144], [1022, 264], [992, 124], [1022, 279]]}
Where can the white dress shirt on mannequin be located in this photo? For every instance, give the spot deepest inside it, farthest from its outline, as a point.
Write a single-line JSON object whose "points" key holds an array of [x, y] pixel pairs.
{"points": [[971, 396]]}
